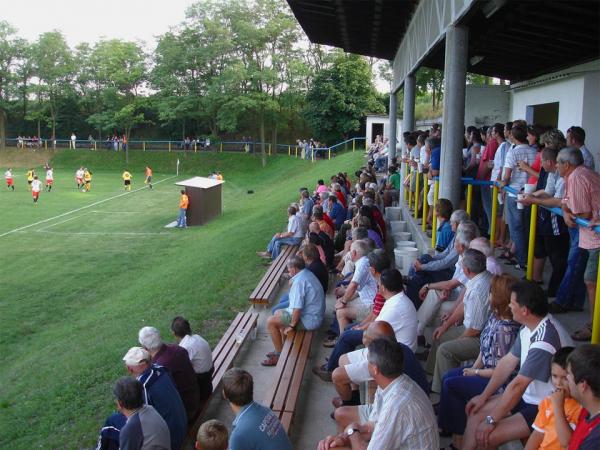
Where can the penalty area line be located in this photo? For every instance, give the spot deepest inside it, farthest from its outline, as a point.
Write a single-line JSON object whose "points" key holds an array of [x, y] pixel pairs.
{"points": [[82, 208]]}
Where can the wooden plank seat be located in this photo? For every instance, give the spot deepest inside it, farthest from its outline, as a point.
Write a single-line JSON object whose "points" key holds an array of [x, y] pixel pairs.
{"points": [[261, 295], [282, 398], [223, 356]]}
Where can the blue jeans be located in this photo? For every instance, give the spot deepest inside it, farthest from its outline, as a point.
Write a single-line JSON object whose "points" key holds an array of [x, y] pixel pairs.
{"points": [[381, 163], [284, 302], [457, 390], [416, 280], [181, 220], [348, 341], [571, 291], [515, 218], [486, 201], [274, 246]]}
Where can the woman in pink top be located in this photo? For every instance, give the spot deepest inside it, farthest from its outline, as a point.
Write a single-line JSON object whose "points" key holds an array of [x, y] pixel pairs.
{"points": [[321, 187]]}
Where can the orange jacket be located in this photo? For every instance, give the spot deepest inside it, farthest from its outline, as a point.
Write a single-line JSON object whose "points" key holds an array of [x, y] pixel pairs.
{"points": [[184, 201]]}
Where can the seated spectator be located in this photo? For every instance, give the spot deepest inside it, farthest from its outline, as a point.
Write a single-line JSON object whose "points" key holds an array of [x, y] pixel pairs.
{"points": [[145, 428], [159, 391], [293, 236], [365, 222], [440, 298], [389, 426], [559, 412], [326, 243], [584, 385], [356, 301], [314, 239], [199, 353], [352, 335], [326, 226], [453, 343], [177, 361], [255, 426], [212, 435], [440, 267], [444, 233], [373, 211], [392, 188], [336, 211], [461, 384], [346, 265], [305, 312], [321, 187], [307, 205], [482, 244], [336, 189], [494, 419]]}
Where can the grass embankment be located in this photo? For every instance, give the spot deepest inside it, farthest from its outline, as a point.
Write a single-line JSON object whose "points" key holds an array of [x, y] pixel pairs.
{"points": [[76, 289]]}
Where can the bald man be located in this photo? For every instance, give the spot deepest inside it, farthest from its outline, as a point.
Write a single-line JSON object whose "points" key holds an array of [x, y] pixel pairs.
{"points": [[353, 370]]}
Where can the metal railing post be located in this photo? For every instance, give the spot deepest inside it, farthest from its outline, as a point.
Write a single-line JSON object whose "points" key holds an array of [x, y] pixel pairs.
{"points": [[416, 214], [425, 189], [436, 193], [169, 145], [469, 199], [296, 152], [269, 149], [596, 318], [144, 145], [530, 253], [494, 216], [221, 147], [289, 150], [329, 150], [353, 144]]}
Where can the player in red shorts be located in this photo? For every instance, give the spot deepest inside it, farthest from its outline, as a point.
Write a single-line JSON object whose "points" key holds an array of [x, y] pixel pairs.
{"points": [[10, 183], [36, 187], [79, 177], [49, 179]]}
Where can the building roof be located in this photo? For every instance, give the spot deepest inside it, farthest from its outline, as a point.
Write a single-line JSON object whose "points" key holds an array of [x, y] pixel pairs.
{"points": [[508, 39], [200, 182]]}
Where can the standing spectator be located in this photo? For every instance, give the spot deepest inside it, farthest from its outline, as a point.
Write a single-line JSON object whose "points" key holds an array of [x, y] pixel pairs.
{"points": [[576, 138], [582, 200], [515, 178], [177, 362], [73, 141], [392, 188], [484, 171], [184, 202], [199, 353]]}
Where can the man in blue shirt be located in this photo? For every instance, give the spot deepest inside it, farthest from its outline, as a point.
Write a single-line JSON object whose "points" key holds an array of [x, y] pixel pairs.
{"points": [[336, 211], [255, 427], [444, 233], [305, 312]]}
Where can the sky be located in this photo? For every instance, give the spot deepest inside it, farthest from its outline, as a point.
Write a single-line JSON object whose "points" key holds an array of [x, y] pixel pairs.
{"points": [[90, 20]]}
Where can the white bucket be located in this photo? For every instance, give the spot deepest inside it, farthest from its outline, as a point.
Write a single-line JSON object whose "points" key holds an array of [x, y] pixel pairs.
{"points": [[403, 244], [393, 213], [398, 226], [409, 257], [402, 236], [399, 257]]}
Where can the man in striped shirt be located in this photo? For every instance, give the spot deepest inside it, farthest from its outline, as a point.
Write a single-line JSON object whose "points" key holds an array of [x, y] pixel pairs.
{"points": [[582, 201]]}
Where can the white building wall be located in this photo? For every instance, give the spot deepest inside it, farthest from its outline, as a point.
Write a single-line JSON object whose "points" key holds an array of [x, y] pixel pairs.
{"points": [[377, 119], [486, 105], [591, 115]]}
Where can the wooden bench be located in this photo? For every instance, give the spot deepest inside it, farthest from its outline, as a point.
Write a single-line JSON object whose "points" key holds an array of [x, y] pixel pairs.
{"points": [[261, 295], [285, 387], [223, 355]]}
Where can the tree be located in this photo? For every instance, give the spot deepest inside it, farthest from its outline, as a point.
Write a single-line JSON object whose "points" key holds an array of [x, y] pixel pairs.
{"points": [[430, 81], [340, 96], [10, 51]]}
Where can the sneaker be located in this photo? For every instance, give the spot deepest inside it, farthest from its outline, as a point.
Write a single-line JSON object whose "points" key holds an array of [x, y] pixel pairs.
{"points": [[520, 267], [322, 373], [330, 343]]}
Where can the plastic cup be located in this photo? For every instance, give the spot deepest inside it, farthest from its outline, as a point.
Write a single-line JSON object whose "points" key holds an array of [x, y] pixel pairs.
{"points": [[529, 188], [519, 198]]}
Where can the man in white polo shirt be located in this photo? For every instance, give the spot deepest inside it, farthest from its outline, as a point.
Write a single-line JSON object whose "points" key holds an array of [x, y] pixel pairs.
{"points": [[292, 236]]}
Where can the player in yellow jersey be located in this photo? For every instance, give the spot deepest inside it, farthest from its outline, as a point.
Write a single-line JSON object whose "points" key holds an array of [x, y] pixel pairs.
{"points": [[87, 180], [30, 175], [127, 179], [148, 177]]}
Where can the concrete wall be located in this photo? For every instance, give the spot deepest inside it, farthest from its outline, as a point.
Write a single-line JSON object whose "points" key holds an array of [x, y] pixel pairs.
{"points": [[486, 105], [591, 115]]}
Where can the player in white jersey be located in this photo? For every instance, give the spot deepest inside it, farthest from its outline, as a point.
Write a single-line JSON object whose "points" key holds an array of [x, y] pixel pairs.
{"points": [[49, 179], [10, 182], [79, 177], [36, 187]]}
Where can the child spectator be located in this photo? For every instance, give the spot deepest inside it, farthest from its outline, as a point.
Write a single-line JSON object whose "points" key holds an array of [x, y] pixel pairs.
{"points": [[212, 435], [444, 233], [557, 413]]}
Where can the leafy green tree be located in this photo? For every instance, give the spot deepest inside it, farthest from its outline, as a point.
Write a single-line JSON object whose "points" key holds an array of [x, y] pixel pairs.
{"points": [[429, 80], [340, 97], [11, 49]]}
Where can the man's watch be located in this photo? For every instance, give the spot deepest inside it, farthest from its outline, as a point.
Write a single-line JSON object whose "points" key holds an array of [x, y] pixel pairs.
{"points": [[351, 431], [490, 420]]}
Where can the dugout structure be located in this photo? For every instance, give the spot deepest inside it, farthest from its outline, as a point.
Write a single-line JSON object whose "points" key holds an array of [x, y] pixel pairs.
{"points": [[206, 199]]}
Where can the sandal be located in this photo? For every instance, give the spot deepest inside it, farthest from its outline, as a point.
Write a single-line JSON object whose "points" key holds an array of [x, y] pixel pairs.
{"points": [[271, 360], [584, 334]]}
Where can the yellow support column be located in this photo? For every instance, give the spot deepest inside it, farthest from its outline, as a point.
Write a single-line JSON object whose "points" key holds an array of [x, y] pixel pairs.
{"points": [[329, 151], [410, 195], [144, 145], [436, 193], [469, 199], [417, 195], [596, 318], [532, 226], [494, 216], [221, 147], [169, 145], [269, 149], [289, 150], [296, 152], [46, 144], [195, 147], [353, 144], [425, 188], [95, 147]]}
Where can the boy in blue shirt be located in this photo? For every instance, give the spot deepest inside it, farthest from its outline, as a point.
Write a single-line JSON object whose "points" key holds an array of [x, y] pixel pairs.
{"points": [[444, 233]]}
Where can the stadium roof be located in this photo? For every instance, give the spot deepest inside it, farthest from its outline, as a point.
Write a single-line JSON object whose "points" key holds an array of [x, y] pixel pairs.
{"points": [[509, 39]]}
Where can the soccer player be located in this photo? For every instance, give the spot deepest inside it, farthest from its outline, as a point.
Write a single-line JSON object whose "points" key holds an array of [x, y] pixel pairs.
{"points": [[148, 177], [79, 178], [127, 180], [49, 179], [8, 176], [87, 178], [30, 175], [36, 187]]}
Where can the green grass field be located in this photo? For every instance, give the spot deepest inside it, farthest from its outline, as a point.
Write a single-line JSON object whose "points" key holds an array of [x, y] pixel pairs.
{"points": [[78, 280]]}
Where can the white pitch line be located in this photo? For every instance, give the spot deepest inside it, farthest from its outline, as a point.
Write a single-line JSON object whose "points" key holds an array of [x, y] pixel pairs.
{"points": [[57, 223], [80, 209], [101, 233]]}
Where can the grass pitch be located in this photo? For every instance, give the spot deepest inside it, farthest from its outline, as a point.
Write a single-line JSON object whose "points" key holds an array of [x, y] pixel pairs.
{"points": [[80, 273]]}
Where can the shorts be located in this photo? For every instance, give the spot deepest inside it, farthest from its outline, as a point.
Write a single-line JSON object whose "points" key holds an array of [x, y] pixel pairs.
{"points": [[9, 182], [148, 179], [364, 411], [430, 194], [35, 194], [286, 319], [49, 182], [363, 310], [591, 269], [127, 182], [528, 411], [79, 180], [358, 369], [29, 181]]}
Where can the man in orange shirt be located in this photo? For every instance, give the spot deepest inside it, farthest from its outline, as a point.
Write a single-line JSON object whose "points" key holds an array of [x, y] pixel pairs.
{"points": [[184, 201]]}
